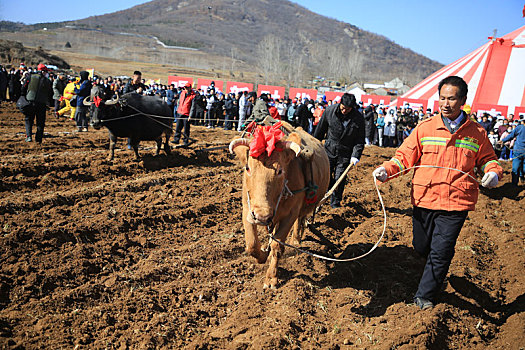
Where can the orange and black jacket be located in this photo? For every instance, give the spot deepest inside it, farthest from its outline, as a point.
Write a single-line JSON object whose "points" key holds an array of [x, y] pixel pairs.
{"points": [[431, 143]]}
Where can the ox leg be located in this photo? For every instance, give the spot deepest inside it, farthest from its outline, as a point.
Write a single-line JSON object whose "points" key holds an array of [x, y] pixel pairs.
{"points": [[253, 244], [112, 143], [167, 147], [276, 251], [135, 146], [159, 145], [297, 231]]}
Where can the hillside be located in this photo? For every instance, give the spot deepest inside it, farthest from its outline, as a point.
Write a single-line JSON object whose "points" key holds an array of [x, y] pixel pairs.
{"points": [[12, 52], [280, 39]]}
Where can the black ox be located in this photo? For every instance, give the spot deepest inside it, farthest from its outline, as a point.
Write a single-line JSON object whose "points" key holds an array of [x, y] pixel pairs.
{"points": [[137, 117]]}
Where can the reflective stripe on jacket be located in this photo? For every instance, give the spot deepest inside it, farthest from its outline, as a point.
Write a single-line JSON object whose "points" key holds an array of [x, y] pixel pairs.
{"points": [[431, 143]]}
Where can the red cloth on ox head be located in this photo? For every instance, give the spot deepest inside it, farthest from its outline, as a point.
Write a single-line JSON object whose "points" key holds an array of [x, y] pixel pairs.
{"points": [[97, 100], [264, 139]]}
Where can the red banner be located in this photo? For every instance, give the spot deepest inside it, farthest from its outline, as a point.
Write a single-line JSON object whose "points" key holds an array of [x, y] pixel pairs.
{"points": [[493, 110], [519, 112], [303, 93], [179, 81], [375, 99], [412, 103], [436, 106], [335, 96], [235, 87], [204, 84], [276, 92]]}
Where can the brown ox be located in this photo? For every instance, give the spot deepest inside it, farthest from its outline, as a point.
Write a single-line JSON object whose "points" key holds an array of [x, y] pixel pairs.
{"points": [[265, 197]]}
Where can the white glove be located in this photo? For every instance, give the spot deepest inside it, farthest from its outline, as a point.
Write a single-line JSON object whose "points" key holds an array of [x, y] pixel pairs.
{"points": [[490, 180], [354, 160], [380, 174]]}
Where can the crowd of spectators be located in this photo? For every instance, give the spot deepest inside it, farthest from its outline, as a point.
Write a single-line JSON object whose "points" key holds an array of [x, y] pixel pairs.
{"points": [[385, 126]]}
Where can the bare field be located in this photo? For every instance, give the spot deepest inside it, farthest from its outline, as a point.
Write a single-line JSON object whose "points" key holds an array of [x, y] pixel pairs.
{"points": [[150, 254]]}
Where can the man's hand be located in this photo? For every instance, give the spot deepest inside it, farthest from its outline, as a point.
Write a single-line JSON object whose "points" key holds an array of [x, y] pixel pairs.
{"points": [[490, 180], [380, 174], [354, 160]]}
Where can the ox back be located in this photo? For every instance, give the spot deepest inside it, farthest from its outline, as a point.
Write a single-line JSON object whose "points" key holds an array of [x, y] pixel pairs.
{"points": [[156, 120]]}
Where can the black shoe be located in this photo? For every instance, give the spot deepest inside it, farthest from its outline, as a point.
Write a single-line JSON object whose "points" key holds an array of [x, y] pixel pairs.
{"points": [[423, 303]]}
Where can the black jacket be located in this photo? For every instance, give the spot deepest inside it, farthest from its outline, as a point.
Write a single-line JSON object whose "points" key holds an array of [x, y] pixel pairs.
{"points": [[369, 122], [341, 141], [302, 115]]}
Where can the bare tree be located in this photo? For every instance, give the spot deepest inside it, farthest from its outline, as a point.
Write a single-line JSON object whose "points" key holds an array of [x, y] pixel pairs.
{"points": [[269, 58]]}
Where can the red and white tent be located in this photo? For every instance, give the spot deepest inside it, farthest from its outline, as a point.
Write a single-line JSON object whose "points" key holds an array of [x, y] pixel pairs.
{"points": [[495, 74]]}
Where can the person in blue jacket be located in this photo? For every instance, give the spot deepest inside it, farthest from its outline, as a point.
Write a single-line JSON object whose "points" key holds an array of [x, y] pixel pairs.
{"points": [[83, 91], [518, 162]]}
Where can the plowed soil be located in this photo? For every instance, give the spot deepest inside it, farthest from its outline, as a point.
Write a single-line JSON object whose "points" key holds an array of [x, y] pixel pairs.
{"points": [[150, 254]]}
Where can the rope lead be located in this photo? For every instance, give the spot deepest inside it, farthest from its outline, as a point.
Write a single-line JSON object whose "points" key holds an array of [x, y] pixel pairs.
{"points": [[384, 218]]}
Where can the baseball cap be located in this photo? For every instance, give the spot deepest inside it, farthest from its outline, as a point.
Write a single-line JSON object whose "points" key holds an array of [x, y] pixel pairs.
{"points": [[42, 67], [187, 85]]}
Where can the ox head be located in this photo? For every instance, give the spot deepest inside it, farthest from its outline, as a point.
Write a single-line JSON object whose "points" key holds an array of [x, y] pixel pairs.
{"points": [[265, 175], [100, 107]]}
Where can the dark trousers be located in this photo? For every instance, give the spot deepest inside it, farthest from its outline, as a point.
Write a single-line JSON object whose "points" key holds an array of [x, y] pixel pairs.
{"points": [[40, 114], [57, 105], [228, 121], [337, 167], [518, 166], [182, 123], [81, 116], [210, 117], [434, 236]]}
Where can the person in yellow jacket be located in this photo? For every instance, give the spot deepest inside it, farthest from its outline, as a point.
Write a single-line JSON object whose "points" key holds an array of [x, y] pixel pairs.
{"points": [[442, 197], [69, 95]]}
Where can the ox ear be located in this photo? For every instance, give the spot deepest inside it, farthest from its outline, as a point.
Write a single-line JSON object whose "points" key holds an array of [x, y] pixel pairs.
{"points": [[240, 148]]}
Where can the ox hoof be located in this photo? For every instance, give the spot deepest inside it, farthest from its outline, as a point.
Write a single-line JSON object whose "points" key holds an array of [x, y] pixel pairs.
{"points": [[265, 286], [270, 283]]}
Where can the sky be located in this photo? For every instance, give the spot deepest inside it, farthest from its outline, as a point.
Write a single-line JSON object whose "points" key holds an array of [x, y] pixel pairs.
{"points": [[443, 30]]}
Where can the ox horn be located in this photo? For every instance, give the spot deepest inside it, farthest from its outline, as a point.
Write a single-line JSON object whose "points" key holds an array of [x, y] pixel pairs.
{"points": [[238, 142], [87, 101], [293, 146], [112, 101]]}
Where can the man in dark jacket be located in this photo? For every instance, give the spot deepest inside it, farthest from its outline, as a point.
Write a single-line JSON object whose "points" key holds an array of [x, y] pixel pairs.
{"points": [[229, 111], [38, 89], [59, 84], [83, 91], [369, 125], [303, 115], [344, 128], [135, 84]]}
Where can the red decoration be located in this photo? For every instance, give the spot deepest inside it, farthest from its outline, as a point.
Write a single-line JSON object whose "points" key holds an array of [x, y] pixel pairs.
{"points": [[264, 139], [97, 100]]}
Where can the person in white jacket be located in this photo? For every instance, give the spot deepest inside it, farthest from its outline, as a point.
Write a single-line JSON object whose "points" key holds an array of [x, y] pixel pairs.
{"points": [[390, 128]]}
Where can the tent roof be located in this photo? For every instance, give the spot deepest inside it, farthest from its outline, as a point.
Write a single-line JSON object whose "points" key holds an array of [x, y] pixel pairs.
{"points": [[495, 74]]}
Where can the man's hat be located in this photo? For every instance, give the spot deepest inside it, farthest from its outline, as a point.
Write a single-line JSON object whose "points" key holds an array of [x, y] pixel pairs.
{"points": [[188, 84], [42, 67]]}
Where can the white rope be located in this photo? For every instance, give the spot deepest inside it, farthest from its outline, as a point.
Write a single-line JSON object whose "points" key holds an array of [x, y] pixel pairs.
{"points": [[384, 218]]}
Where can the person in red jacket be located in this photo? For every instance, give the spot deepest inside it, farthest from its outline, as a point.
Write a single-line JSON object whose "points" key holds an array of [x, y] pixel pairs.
{"points": [[442, 197], [185, 111]]}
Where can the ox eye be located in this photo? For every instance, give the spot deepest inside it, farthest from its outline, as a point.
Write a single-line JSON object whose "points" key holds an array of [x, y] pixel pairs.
{"points": [[247, 168], [280, 171]]}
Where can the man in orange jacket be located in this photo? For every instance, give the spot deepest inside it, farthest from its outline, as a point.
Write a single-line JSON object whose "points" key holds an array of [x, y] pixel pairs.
{"points": [[442, 197]]}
